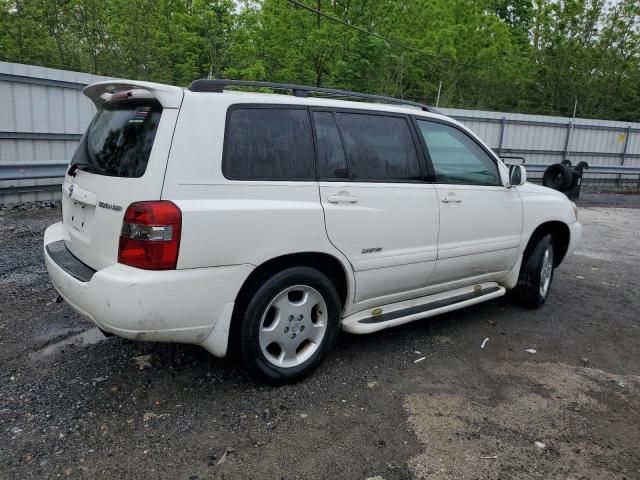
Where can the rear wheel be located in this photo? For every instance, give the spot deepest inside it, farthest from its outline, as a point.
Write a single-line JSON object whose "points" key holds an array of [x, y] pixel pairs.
{"points": [[289, 325], [536, 273]]}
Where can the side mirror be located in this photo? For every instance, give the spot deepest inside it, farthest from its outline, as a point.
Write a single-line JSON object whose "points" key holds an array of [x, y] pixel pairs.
{"points": [[517, 175]]}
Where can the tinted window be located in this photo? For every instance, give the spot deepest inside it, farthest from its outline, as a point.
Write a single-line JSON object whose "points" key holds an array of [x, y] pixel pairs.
{"points": [[379, 147], [119, 139], [268, 144], [457, 158], [331, 160]]}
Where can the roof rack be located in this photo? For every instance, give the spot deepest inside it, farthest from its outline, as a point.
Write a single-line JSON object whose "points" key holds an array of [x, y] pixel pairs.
{"points": [[218, 85]]}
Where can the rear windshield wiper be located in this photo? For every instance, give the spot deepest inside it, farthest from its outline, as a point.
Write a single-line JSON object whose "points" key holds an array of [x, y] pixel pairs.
{"points": [[87, 167]]}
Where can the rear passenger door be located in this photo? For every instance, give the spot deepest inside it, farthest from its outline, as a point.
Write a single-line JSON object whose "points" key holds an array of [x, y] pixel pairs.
{"points": [[378, 211]]}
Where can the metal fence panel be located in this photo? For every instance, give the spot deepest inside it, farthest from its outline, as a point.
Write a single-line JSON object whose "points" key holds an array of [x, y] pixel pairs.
{"points": [[548, 139], [43, 114]]}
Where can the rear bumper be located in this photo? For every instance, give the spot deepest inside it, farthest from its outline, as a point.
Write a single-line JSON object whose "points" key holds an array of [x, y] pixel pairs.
{"points": [[187, 306]]}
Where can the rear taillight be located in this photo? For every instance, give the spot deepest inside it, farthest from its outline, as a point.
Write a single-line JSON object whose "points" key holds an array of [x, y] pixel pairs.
{"points": [[150, 236]]}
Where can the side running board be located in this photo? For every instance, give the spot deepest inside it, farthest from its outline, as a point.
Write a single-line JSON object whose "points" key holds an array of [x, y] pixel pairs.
{"points": [[387, 316]]}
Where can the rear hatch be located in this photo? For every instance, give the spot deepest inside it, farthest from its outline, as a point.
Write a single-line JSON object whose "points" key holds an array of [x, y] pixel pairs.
{"points": [[121, 159]]}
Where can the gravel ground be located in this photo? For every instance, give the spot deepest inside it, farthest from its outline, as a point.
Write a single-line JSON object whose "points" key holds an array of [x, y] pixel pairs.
{"points": [[76, 405]]}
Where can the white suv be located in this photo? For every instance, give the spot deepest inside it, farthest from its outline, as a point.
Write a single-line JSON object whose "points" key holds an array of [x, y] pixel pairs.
{"points": [[268, 222]]}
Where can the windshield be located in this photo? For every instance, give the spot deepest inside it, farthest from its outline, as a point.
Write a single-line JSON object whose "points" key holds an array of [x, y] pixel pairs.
{"points": [[119, 139]]}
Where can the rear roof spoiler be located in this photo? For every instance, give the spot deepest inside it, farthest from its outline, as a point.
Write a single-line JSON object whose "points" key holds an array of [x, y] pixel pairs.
{"points": [[168, 96]]}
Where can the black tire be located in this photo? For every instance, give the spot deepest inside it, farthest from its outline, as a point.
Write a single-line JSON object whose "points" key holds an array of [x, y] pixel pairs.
{"points": [[528, 290], [559, 177], [248, 346]]}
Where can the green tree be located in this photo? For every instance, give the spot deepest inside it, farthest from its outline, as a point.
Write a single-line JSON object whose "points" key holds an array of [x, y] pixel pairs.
{"points": [[537, 56]]}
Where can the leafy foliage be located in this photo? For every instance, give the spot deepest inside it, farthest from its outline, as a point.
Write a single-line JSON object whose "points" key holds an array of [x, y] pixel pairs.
{"points": [[536, 56]]}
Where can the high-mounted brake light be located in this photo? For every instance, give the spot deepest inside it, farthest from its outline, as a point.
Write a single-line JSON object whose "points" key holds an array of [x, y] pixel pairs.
{"points": [[150, 237], [121, 95]]}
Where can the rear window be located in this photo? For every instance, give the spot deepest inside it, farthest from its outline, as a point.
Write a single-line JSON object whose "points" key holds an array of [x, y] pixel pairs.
{"points": [[119, 139], [268, 144]]}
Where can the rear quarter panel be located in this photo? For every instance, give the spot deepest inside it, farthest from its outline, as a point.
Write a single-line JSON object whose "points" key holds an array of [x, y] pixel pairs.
{"points": [[235, 222]]}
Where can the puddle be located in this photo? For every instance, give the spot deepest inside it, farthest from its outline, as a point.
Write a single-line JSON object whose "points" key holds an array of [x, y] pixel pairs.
{"points": [[88, 337]]}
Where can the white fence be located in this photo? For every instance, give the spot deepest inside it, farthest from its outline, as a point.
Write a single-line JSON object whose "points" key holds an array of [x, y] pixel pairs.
{"points": [[43, 115]]}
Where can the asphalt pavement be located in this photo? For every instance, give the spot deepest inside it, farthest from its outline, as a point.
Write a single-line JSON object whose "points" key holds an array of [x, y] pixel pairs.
{"points": [[74, 404]]}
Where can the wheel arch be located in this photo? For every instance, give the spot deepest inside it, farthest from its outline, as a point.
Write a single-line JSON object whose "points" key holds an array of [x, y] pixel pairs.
{"points": [[561, 238], [328, 264], [324, 262]]}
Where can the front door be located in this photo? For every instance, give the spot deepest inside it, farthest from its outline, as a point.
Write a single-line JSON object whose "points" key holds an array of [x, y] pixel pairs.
{"points": [[378, 212], [480, 218]]}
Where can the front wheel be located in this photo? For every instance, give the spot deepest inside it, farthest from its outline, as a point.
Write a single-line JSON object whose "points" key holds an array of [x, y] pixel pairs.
{"points": [[289, 325], [536, 273]]}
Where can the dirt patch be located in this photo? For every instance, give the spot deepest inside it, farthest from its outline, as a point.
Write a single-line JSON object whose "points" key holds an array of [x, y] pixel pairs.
{"points": [[619, 226], [558, 406]]}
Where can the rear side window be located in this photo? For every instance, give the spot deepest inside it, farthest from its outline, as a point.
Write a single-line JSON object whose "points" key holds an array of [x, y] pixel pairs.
{"points": [[379, 148], [268, 144], [119, 139]]}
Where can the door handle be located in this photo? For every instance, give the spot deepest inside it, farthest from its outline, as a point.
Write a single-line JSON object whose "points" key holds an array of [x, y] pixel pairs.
{"points": [[342, 198], [451, 200]]}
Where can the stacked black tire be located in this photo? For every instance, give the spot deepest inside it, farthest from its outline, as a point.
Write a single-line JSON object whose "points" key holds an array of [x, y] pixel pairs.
{"points": [[559, 177], [565, 178]]}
